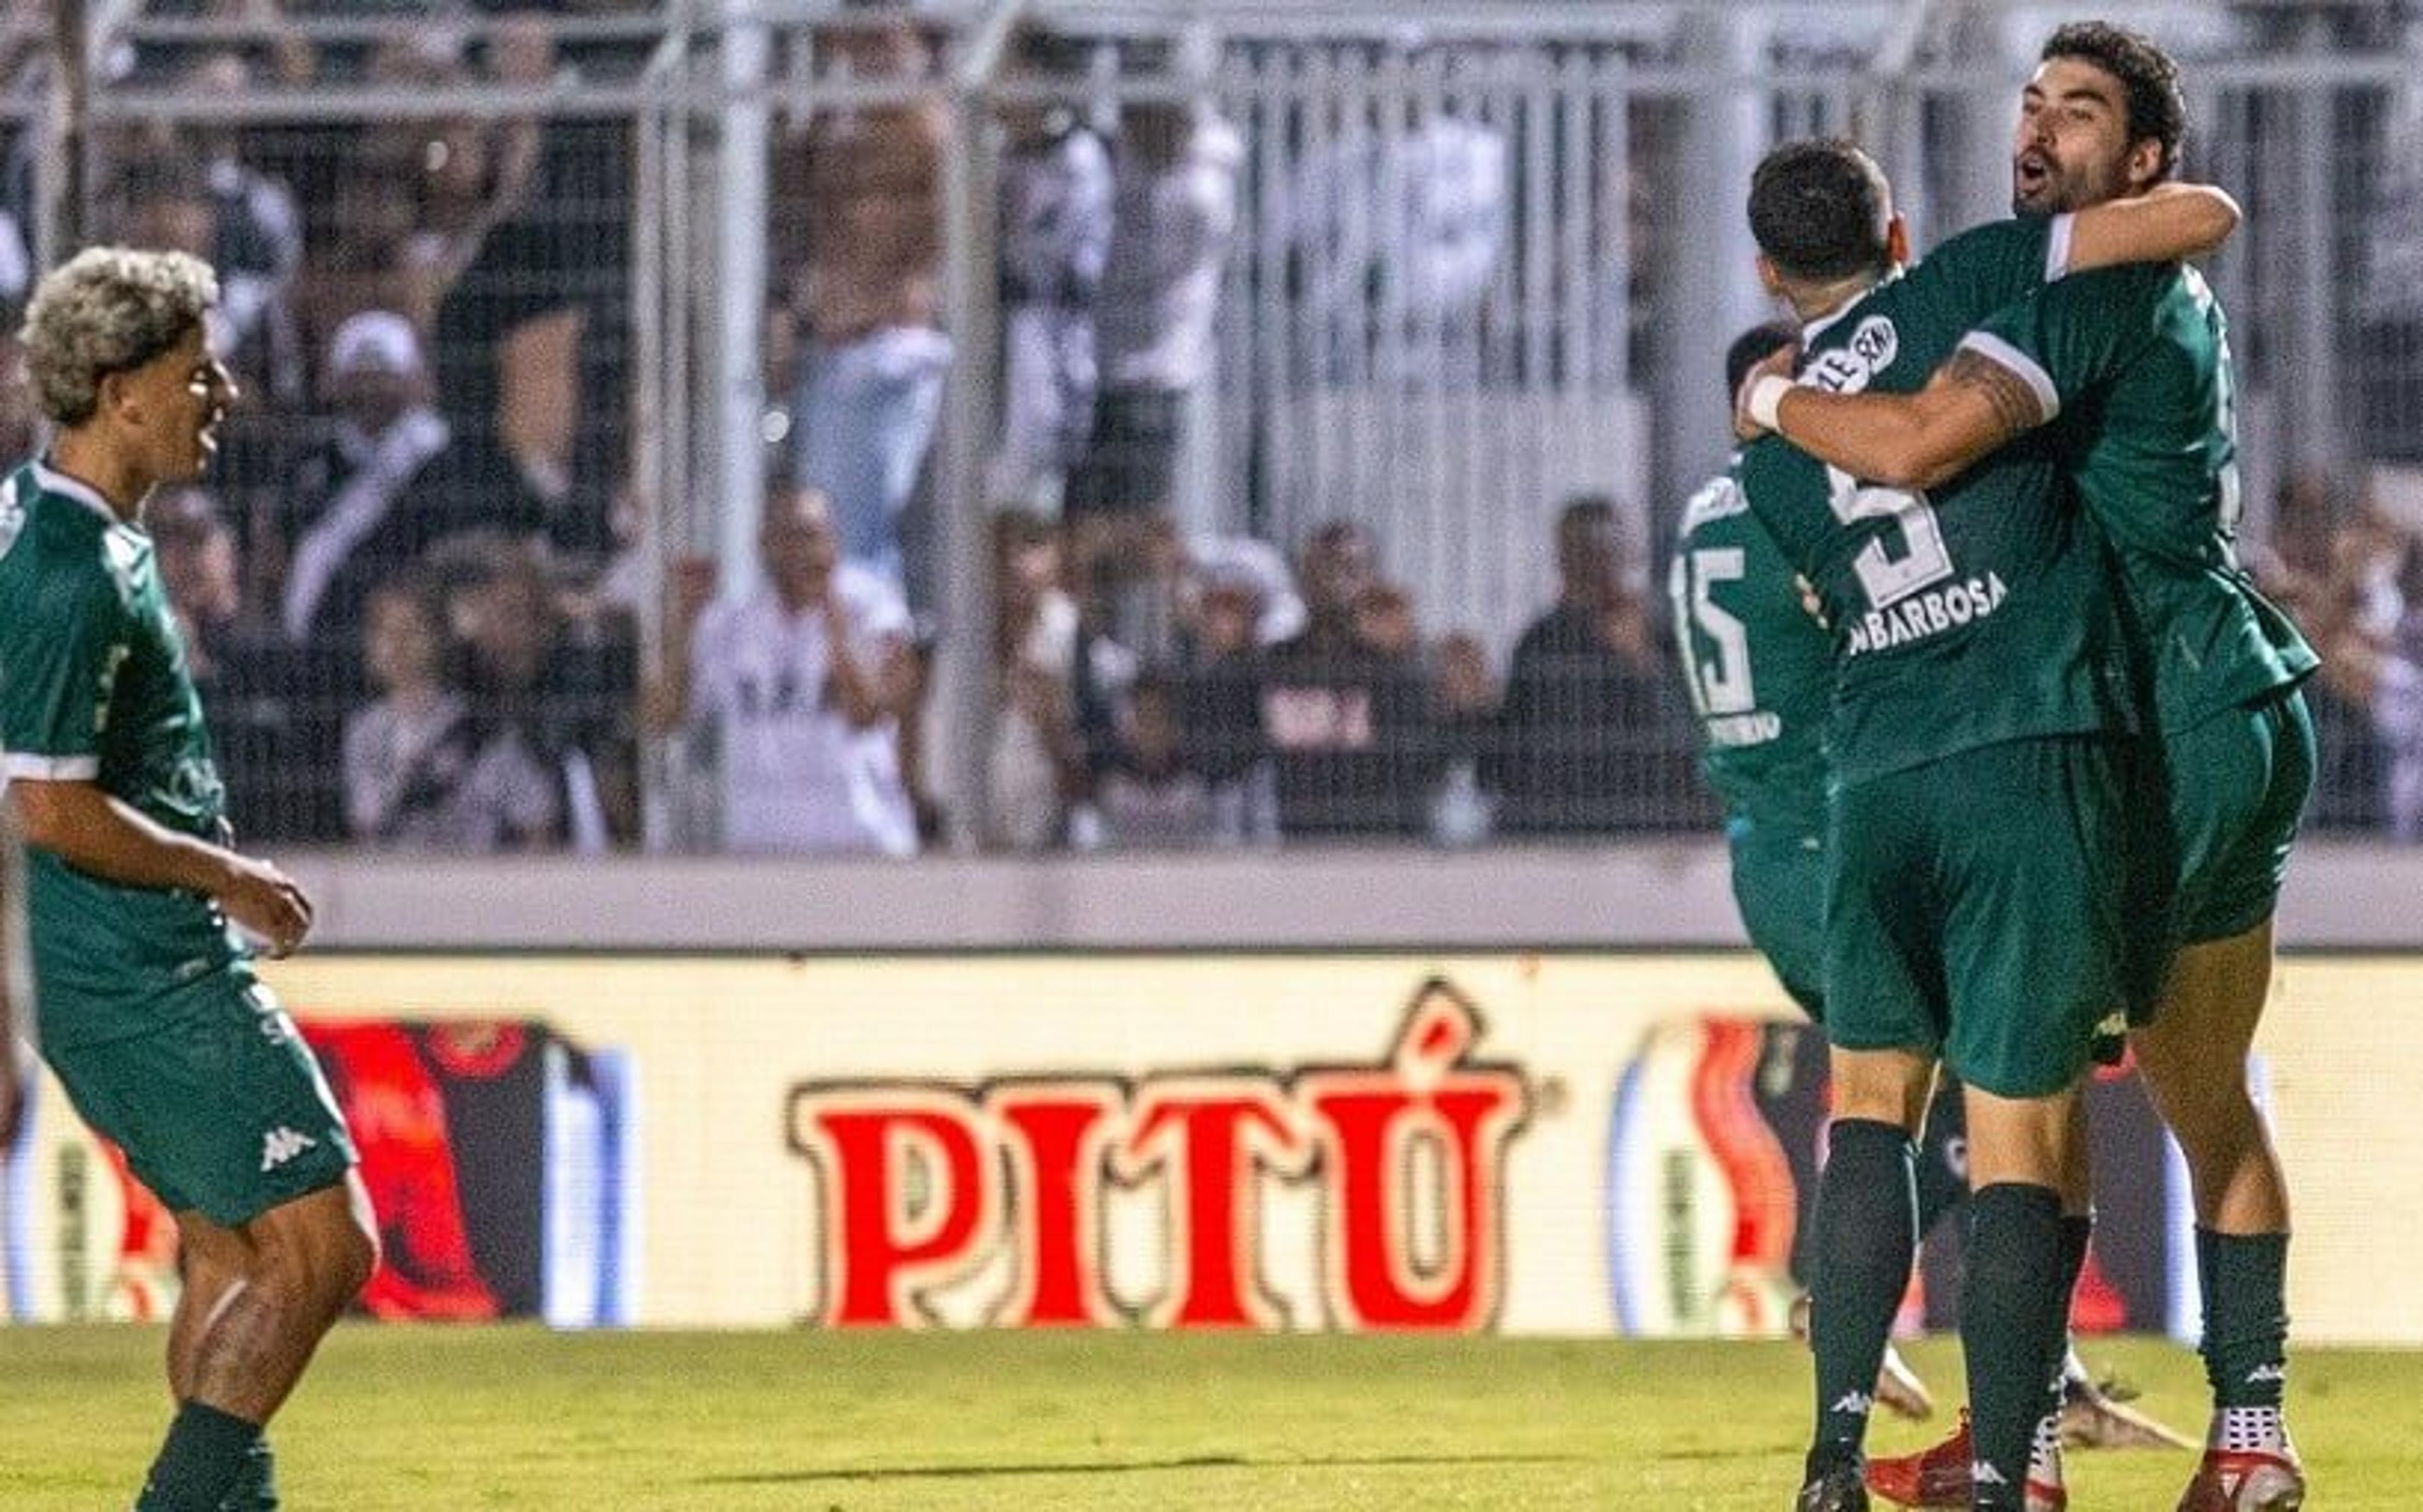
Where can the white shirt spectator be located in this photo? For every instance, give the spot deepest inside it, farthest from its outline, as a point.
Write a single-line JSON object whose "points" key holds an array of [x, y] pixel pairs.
{"points": [[400, 770], [1171, 230], [798, 776]]}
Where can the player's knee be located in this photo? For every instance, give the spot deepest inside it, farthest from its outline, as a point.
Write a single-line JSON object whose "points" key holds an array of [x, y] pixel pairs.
{"points": [[2216, 1116], [349, 1267], [345, 1257], [323, 1259]]}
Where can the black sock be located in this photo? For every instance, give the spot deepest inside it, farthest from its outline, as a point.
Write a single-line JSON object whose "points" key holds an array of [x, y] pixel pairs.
{"points": [[1867, 1228], [205, 1451], [1943, 1156], [2243, 1277], [2011, 1310], [2077, 1232], [256, 1483]]}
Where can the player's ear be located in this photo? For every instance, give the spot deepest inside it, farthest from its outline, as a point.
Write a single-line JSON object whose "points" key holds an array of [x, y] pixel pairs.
{"points": [[1768, 278], [116, 392], [1896, 240], [2144, 165]]}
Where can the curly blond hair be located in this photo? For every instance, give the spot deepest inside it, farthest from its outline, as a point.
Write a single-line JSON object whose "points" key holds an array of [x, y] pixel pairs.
{"points": [[105, 310]]}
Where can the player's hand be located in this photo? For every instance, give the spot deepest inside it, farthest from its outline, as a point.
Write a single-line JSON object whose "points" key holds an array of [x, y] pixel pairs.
{"points": [[1777, 364], [266, 903]]}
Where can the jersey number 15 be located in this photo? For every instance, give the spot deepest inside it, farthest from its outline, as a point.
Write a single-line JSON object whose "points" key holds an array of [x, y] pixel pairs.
{"points": [[1720, 683]]}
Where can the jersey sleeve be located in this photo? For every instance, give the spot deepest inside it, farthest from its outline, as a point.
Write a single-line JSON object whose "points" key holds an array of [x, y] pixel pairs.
{"points": [[1987, 267], [1785, 490], [2067, 338], [59, 670]]}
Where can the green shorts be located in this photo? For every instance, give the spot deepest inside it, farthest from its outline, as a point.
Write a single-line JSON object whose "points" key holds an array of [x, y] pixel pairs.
{"points": [[1974, 910], [220, 1107], [1779, 886], [2237, 789]]}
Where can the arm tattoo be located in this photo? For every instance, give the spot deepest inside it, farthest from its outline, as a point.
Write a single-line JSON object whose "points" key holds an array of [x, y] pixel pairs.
{"points": [[2015, 406]]}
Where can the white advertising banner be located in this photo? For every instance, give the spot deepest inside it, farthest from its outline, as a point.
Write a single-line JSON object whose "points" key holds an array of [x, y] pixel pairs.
{"points": [[1561, 1143]]}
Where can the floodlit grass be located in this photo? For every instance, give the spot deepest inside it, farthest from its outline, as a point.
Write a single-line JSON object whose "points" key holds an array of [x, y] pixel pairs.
{"points": [[415, 1419]]}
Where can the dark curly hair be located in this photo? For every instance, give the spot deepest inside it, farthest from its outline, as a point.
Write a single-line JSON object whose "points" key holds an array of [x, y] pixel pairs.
{"points": [[2149, 82]]}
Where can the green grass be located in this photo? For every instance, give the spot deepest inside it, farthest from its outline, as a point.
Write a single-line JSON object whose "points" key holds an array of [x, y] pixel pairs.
{"points": [[420, 1419]]}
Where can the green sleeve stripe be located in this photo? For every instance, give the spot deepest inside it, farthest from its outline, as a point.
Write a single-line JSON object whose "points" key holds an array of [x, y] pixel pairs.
{"points": [[50, 769], [2002, 354]]}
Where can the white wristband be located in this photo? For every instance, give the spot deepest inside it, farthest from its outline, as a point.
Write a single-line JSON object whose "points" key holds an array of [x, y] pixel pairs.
{"points": [[1765, 401]]}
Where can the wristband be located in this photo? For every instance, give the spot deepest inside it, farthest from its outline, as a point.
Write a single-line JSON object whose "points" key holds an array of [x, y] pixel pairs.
{"points": [[1765, 401]]}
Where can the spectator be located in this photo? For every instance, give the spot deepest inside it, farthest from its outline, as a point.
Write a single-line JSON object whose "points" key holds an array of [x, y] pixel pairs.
{"points": [[548, 770], [1174, 214], [799, 690], [1589, 740], [367, 499], [1055, 231], [1037, 762], [274, 708], [865, 286], [529, 338], [1148, 797], [189, 187], [258, 245], [407, 753], [410, 199], [1151, 602], [1465, 708], [1218, 716], [1343, 710]]}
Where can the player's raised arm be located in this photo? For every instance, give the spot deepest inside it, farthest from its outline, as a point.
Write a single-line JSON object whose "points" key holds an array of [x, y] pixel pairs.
{"points": [[2164, 224]]}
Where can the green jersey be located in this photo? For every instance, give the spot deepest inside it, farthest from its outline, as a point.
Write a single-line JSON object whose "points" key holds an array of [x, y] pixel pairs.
{"points": [[1760, 669], [2135, 362], [94, 688], [1965, 616]]}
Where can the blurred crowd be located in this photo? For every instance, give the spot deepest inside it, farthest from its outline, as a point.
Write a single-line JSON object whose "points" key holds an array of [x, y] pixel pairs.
{"points": [[415, 585]]}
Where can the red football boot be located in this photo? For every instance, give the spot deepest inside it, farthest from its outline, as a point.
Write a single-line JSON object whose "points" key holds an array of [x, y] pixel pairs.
{"points": [[2241, 1480]]}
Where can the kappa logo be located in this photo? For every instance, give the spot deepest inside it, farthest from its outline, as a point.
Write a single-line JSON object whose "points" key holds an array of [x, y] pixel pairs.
{"points": [[2267, 1374], [282, 1144], [1983, 1473], [1858, 1403]]}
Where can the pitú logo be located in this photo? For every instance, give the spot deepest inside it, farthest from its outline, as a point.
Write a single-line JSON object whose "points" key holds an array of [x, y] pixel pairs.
{"points": [[924, 1188]]}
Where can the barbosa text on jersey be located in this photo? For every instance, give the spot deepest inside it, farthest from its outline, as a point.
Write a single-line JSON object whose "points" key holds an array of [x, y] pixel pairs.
{"points": [[1927, 614]]}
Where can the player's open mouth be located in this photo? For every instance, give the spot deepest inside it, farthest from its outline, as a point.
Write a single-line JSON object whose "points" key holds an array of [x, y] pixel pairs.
{"points": [[2031, 173]]}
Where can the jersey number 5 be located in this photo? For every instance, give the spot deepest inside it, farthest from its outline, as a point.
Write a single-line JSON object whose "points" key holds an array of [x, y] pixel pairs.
{"points": [[1924, 558], [1720, 684]]}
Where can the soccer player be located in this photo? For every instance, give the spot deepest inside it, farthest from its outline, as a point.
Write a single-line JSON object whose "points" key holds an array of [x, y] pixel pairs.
{"points": [[1760, 671], [149, 1008], [2142, 354], [1977, 673]]}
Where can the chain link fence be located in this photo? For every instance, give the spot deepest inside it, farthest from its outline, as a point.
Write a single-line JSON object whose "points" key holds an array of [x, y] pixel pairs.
{"points": [[860, 430]]}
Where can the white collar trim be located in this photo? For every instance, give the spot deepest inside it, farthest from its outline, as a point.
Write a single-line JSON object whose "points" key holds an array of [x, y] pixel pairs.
{"points": [[55, 481]]}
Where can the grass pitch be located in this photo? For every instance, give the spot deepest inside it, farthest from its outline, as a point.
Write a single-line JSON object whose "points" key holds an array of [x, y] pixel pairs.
{"points": [[414, 1419]]}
